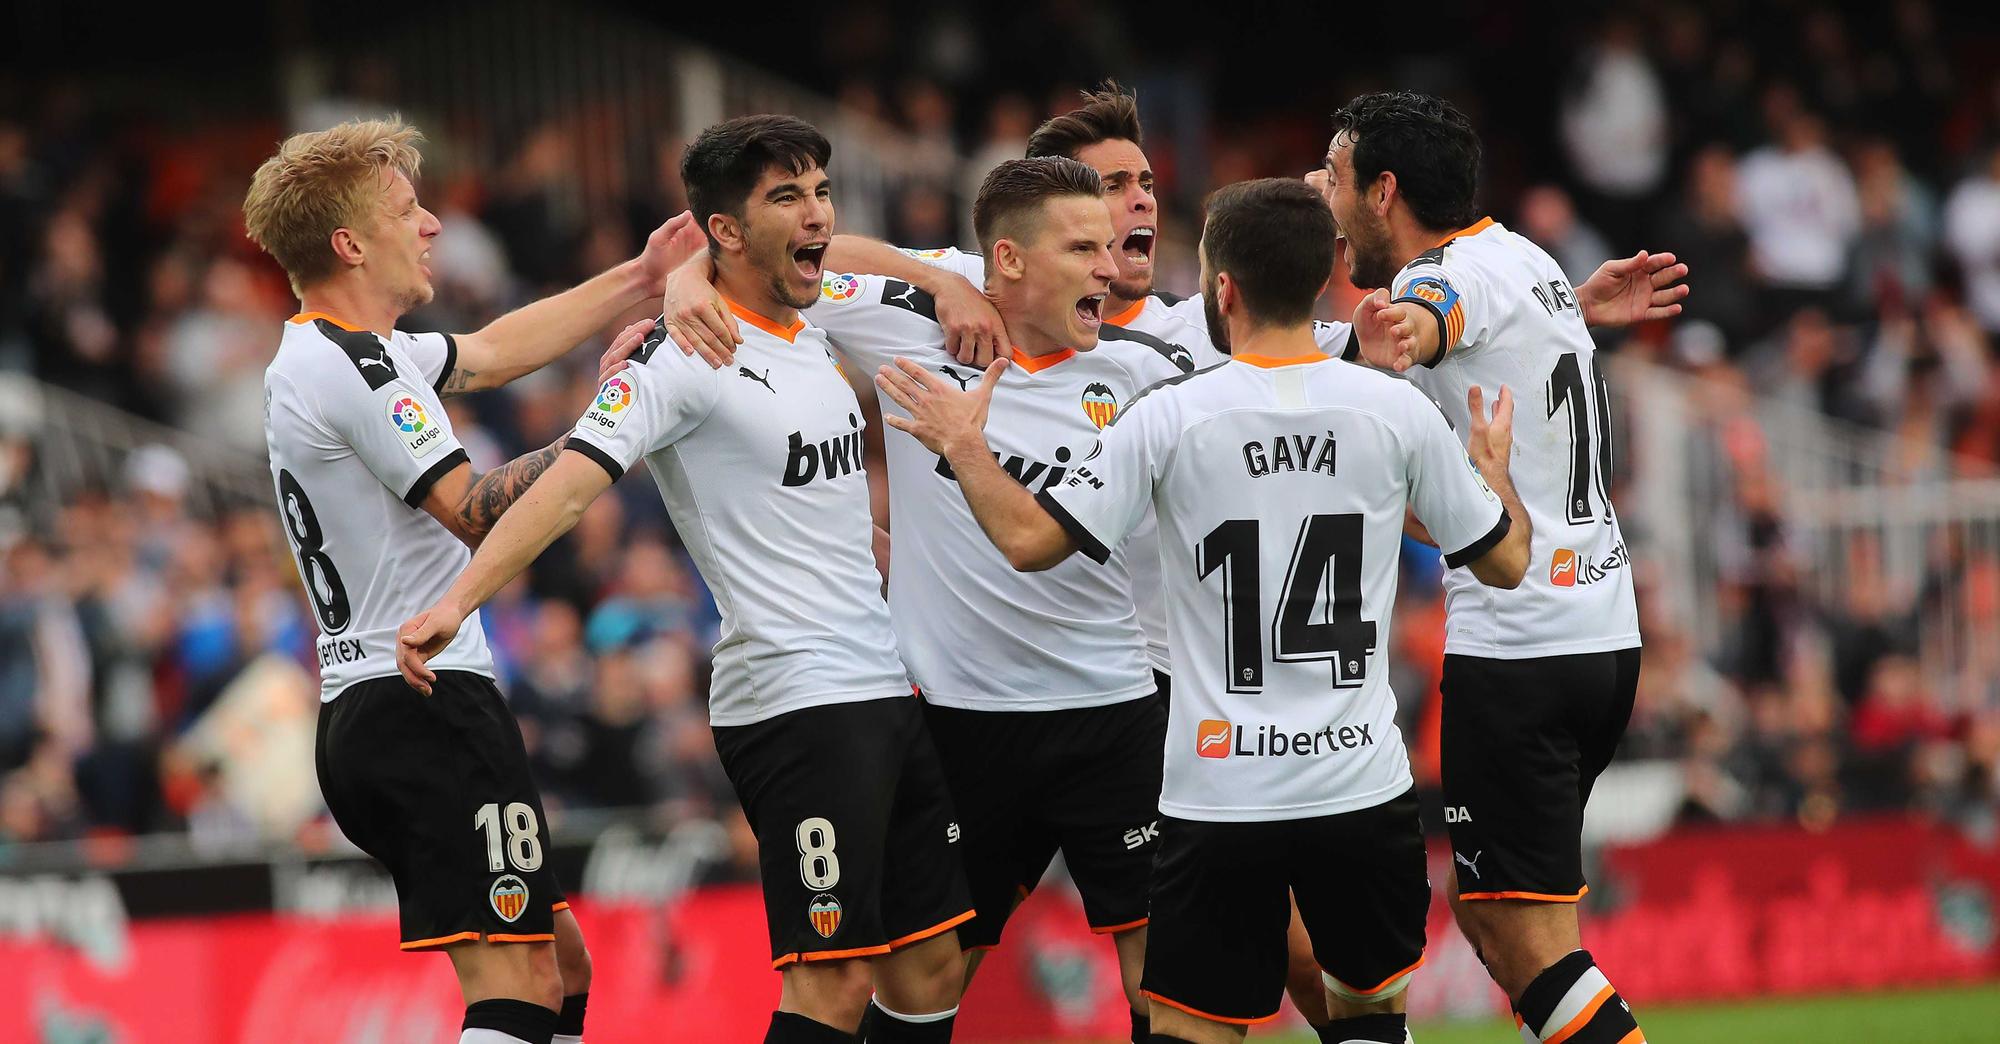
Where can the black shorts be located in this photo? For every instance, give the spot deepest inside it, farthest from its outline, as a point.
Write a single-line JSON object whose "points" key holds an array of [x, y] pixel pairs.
{"points": [[437, 789], [1222, 907], [1028, 783], [1521, 742], [856, 843], [1164, 684]]}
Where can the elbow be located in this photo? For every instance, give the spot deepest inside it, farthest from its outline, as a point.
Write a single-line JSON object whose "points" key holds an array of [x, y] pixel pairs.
{"points": [[1025, 559]]}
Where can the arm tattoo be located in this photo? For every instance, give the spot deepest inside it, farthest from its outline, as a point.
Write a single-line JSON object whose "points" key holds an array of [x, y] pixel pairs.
{"points": [[459, 382], [492, 493]]}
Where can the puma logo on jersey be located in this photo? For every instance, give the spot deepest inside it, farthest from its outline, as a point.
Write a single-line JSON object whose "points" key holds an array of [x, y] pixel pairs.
{"points": [[377, 361], [827, 458], [1289, 453], [1470, 864], [1033, 474], [965, 382], [764, 380]]}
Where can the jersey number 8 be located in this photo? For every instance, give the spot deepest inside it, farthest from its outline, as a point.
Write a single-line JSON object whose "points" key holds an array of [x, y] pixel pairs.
{"points": [[819, 868], [329, 595]]}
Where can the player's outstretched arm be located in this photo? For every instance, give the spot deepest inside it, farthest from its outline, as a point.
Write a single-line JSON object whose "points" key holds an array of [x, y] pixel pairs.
{"points": [[1628, 290], [973, 331], [951, 423], [532, 336], [1492, 448], [1393, 336], [469, 503], [549, 508]]}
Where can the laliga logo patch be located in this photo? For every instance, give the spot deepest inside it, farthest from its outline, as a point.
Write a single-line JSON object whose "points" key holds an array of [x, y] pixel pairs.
{"points": [[839, 286], [420, 436], [1211, 738], [824, 912], [509, 896], [1099, 404], [1562, 568], [605, 414], [926, 255]]}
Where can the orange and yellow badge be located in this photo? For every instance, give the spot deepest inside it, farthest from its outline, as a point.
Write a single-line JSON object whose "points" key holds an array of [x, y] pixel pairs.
{"points": [[1099, 404], [824, 911], [509, 896]]}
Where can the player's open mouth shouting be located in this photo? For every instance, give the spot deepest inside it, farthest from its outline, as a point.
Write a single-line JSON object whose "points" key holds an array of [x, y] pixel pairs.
{"points": [[1136, 249], [1090, 311], [809, 258]]}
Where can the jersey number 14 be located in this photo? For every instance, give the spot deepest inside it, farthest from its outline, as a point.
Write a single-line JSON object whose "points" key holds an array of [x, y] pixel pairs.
{"points": [[1319, 609]]}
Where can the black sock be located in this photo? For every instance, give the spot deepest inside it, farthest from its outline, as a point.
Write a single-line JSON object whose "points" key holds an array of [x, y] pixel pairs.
{"points": [[882, 1026], [571, 1019], [789, 1027], [516, 1018], [1384, 1027], [1572, 997], [1142, 1028]]}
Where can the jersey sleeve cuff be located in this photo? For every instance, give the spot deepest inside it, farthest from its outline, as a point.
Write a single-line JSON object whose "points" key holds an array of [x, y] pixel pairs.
{"points": [[1086, 541], [1352, 349], [422, 487], [1476, 550], [450, 363], [604, 460], [1443, 344]]}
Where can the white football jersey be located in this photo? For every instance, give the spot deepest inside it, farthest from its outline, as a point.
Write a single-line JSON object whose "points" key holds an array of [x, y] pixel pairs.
{"points": [[759, 464], [357, 437], [1280, 487], [976, 633], [1174, 329], [1509, 317]]}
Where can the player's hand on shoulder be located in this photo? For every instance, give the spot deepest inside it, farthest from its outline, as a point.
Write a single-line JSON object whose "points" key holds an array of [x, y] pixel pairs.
{"points": [[619, 355], [973, 331], [672, 245], [941, 415], [1626, 290], [421, 637], [1386, 331], [696, 317]]}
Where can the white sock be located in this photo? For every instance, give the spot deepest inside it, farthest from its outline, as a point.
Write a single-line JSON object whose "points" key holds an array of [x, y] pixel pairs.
{"points": [[1528, 1035], [488, 1036], [936, 1016], [566, 1038]]}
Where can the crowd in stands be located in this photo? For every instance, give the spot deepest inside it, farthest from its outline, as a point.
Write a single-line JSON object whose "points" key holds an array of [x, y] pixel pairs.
{"points": [[1833, 180]]}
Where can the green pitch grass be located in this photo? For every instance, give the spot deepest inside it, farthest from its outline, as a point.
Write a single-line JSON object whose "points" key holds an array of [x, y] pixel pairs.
{"points": [[1948, 1016]]}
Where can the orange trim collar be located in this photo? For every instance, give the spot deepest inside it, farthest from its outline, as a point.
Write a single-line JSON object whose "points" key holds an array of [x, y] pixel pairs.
{"points": [[769, 326], [306, 317], [1038, 363], [1270, 362], [1128, 314], [1473, 229]]}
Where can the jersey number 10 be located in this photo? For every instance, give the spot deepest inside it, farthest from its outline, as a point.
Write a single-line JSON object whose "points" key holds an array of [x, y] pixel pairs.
{"points": [[1324, 581], [1565, 391]]}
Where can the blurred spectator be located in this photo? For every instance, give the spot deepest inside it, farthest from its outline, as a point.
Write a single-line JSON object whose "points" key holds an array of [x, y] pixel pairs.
{"points": [[1796, 200], [1614, 126], [1548, 218], [1705, 232], [1972, 230]]}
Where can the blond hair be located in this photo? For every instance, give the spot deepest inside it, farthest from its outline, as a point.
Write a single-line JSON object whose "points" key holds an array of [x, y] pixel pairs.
{"points": [[320, 181]]}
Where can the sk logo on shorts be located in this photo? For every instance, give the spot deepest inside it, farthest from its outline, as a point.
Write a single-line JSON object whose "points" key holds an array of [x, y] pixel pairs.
{"points": [[509, 896], [824, 912]]}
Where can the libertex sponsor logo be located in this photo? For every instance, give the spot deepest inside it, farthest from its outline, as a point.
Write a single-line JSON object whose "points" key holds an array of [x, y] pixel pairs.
{"points": [[1215, 738], [1567, 568]]}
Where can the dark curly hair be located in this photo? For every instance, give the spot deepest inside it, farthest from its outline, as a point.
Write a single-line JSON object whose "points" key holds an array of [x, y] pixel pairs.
{"points": [[1426, 142]]}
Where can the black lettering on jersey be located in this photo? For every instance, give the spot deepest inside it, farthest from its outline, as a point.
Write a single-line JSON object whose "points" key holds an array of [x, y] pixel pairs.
{"points": [[827, 458], [654, 338], [1295, 452], [1168, 299], [898, 294], [1182, 359], [1557, 298], [1033, 474], [365, 350]]}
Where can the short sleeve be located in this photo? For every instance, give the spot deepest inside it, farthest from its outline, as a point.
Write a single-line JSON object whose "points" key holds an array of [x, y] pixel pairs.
{"points": [[646, 407], [397, 429], [1455, 299], [1463, 514], [967, 264], [1105, 497], [1337, 339], [872, 320], [436, 355]]}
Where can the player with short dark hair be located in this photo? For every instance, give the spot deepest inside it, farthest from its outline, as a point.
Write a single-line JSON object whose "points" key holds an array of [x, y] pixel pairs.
{"points": [[1280, 479], [1538, 682], [760, 468], [379, 502]]}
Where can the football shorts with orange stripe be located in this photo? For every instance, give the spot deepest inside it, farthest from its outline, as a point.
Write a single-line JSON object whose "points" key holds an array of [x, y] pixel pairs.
{"points": [[857, 844]]}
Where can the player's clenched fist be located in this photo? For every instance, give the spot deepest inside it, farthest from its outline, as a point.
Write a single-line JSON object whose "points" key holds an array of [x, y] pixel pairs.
{"points": [[421, 637]]}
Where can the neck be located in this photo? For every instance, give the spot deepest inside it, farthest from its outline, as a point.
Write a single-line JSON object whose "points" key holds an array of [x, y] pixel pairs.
{"points": [[752, 289], [352, 305], [1028, 337], [1408, 238], [1273, 342]]}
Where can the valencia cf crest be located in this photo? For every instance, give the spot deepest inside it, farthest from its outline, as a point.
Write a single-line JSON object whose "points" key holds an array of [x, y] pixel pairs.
{"points": [[509, 896], [824, 911], [1099, 404]]}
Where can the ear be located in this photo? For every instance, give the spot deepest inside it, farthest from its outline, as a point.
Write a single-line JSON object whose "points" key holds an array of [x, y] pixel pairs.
{"points": [[1225, 294], [726, 232], [1008, 262], [347, 248], [1388, 191]]}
